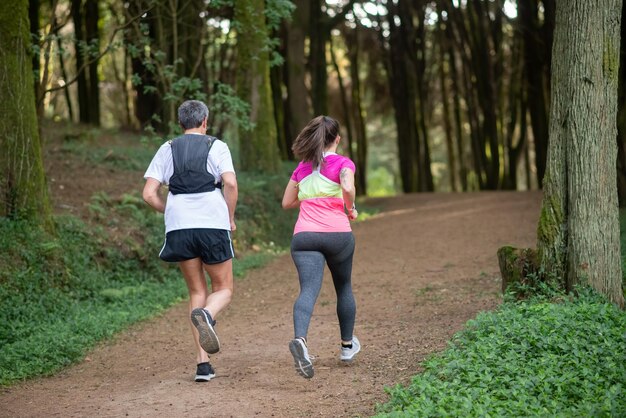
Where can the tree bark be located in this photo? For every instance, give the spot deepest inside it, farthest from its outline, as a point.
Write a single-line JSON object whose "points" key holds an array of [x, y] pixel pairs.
{"points": [[403, 92], [259, 150], [578, 233], [447, 123], [537, 44], [23, 191], [344, 102], [360, 139], [93, 38], [81, 82], [148, 103], [298, 100], [621, 117], [33, 16]]}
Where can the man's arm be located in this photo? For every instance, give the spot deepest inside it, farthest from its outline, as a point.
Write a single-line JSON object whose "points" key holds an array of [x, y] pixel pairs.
{"points": [[229, 182], [151, 194]]}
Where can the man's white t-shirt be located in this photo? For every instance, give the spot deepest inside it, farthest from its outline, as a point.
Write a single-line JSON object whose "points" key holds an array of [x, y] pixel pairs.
{"points": [[195, 210]]}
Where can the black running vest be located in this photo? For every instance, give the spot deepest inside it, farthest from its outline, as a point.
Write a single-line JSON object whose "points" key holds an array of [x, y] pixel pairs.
{"points": [[189, 154]]}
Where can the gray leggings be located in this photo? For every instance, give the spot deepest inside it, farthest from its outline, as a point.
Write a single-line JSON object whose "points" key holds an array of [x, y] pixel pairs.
{"points": [[309, 251]]}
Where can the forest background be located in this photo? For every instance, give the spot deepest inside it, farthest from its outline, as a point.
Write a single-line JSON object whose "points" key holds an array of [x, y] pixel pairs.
{"points": [[432, 96]]}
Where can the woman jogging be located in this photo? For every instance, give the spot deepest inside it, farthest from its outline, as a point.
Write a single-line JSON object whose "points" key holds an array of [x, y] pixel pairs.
{"points": [[323, 187], [198, 221]]}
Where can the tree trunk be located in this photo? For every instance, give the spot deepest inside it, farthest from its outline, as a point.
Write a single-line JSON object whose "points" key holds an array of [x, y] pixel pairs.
{"points": [[276, 77], [621, 117], [81, 81], [259, 150], [298, 100], [66, 90], [578, 233], [318, 37], [404, 95], [456, 98], [33, 16], [23, 191], [447, 124], [147, 103], [344, 102], [357, 112], [93, 38], [417, 39], [536, 58]]}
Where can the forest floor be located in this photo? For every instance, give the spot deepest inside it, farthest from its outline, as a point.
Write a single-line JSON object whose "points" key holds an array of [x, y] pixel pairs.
{"points": [[423, 266]]}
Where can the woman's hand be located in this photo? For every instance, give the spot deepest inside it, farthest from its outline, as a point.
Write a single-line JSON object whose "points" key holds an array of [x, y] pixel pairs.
{"points": [[353, 213]]}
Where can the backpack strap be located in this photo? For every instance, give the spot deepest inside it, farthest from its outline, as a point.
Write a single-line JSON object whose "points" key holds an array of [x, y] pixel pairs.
{"points": [[211, 140]]}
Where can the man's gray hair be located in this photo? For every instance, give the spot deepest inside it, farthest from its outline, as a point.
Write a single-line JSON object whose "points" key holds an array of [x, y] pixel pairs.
{"points": [[191, 114]]}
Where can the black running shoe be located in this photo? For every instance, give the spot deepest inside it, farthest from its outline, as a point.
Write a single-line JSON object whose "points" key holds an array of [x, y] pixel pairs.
{"points": [[203, 322], [204, 372]]}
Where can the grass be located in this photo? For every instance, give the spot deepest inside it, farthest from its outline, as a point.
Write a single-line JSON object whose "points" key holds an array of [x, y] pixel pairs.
{"points": [[533, 358], [61, 295], [622, 222], [556, 356]]}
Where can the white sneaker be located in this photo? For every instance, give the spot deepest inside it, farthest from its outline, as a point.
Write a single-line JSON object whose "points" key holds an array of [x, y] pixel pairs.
{"points": [[301, 358], [347, 354]]}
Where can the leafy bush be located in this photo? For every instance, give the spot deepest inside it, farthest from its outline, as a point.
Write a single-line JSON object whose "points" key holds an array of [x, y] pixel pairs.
{"points": [[261, 220], [60, 295], [532, 358]]}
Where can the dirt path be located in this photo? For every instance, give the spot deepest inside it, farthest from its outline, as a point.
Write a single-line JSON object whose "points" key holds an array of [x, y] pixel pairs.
{"points": [[423, 267]]}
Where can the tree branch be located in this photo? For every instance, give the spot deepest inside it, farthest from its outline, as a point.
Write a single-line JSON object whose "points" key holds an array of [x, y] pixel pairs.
{"points": [[96, 58]]}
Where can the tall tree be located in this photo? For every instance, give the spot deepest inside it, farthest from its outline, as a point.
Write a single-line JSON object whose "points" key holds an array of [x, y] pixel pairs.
{"points": [[578, 233], [148, 102], [621, 117], [537, 35], [259, 149], [79, 43], [23, 191], [33, 16], [320, 26], [93, 37], [298, 101]]}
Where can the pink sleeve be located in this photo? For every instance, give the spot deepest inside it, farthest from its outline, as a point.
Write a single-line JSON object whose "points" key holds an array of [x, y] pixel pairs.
{"points": [[347, 163], [294, 175]]}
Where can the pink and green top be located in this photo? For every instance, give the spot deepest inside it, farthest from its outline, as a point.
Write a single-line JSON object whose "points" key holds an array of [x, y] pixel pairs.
{"points": [[321, 199]]}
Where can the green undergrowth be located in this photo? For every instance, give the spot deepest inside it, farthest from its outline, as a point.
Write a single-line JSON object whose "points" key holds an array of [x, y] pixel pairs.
{"points": [[622, 221], [553, 355], [60, 295], [530, 358]]}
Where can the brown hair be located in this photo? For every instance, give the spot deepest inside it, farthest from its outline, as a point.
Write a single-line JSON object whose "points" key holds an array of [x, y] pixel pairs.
{"points": [[316, 136]]}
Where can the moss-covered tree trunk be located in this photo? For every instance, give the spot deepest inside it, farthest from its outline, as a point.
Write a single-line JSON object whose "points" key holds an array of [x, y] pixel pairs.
{"points": [[578, 234], [259, 148], [23, 190]]}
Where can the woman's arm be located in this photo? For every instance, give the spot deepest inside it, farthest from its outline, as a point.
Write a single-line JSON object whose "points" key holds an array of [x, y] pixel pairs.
{"points": [[346, 177], [290, 197], [151, 194]]}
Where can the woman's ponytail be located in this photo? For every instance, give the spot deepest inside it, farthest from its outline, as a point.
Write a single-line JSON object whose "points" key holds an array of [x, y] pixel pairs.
{"points": [[316, 136]]}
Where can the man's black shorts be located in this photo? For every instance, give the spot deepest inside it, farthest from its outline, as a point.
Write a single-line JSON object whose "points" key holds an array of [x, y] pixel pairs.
{"points": [[211, 245]]}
